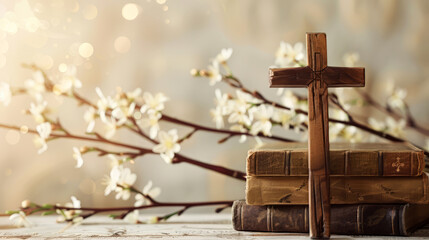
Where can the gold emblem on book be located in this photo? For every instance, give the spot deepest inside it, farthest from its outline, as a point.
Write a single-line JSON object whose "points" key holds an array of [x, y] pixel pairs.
{"points": [[398, 164]]}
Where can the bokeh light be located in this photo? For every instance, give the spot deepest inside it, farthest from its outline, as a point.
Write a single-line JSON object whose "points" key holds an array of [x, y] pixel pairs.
{"points": [[130, 11], [62, 67], [86, 50], [122, 44]]}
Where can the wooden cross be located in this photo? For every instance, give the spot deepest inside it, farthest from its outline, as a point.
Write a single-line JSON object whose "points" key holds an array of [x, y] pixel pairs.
{"points": [[317, 77]]}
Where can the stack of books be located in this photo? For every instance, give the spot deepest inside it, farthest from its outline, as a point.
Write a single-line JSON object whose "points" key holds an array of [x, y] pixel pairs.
{"points": [[376, 189]]}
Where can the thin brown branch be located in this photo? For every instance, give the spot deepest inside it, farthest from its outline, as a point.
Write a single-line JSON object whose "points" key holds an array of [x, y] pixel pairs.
{"points": [[142, 151]]}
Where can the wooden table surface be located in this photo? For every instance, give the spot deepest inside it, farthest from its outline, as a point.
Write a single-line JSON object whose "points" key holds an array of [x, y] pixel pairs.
{"points": [[188, 226]]}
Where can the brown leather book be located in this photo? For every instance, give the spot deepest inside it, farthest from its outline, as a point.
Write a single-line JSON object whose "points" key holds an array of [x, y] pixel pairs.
{"points": [[362, 219], [344, 190], [351, 159]]}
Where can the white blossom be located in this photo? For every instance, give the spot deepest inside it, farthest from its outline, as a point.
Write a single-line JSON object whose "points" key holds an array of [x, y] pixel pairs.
{"points": [[68, 82], [285, 117], [214, 73], [152, 122], [121, 113], [289, 99], [134, 95], [110, 126], [71, 214], [104, 103], [224, 55], [396, 99], [38, 110], [77, 155], [391, 126], [240, 128], [89, 116], [153, 220], [36, 86], [120, 181], [126, 180], [132, 217], [5, 93], [115, 161], [20, 220], [396, 128], [262, 116], [168, 145], [239, 108], [149, 191], [156, 103], [287, 55], [44, 130], [352, 134], [350, 59], [112, 180], [376, 125], [217, 117], [221, 101]]}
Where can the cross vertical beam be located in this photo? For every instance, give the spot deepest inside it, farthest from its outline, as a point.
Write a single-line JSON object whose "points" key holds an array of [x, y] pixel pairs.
{"points": [[318, 139], [317, 77]]}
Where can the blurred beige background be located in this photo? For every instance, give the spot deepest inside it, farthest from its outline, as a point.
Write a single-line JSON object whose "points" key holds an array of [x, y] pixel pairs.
{"points": [[166, 40]]}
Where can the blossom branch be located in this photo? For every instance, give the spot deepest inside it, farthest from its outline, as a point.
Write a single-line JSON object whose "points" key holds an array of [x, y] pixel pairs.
{"points": [[48, 208], [351, 122], [222, 131], [410, 120], [141, 151]]}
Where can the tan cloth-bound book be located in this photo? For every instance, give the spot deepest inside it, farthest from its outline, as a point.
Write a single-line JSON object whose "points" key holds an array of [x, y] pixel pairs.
{"points": [[351, 159], [344, 190]]}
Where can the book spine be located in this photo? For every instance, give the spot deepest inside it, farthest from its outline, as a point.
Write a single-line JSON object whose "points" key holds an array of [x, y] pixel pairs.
{"points": [[344, 190], [345, 219], [346, 163]]}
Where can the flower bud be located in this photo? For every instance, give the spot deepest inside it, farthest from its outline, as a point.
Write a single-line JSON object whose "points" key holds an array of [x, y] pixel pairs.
{"points": [[26, 203], [194, 72]]}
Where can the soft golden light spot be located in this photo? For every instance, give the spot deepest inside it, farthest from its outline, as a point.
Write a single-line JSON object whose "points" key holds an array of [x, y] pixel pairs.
{"points": [[12, 137], [165, 8], [161, 1], [23, 129], [130, 11], [86, 50], [90, 12], [8, 172], [137, 115], [62, 67], [87, 186], [122, 44], [167, 21]]}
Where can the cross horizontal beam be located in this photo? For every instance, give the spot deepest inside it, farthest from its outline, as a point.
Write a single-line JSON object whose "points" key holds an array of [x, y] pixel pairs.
{"points": [[299, 77]]}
